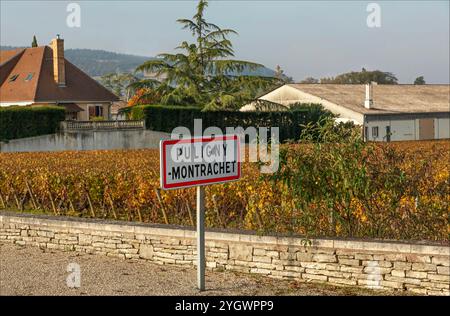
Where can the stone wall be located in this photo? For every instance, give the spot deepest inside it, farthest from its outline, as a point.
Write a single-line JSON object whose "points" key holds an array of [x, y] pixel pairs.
{"points": [[419, 268], [86, 140]]}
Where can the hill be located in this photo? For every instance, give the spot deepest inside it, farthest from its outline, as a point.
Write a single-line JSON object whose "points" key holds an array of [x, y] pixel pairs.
{"points": [[97, 63]]}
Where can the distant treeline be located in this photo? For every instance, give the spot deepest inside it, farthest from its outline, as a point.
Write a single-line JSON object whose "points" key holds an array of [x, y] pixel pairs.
{"points": [[357, 77]]}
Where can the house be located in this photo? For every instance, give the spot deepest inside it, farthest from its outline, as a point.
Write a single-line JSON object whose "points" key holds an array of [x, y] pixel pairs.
{"points": [[386, 112], [42, 76], [118, 110]]}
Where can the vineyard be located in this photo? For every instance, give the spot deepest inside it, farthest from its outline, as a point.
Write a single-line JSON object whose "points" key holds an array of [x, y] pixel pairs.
{"points": [[406, 192]]}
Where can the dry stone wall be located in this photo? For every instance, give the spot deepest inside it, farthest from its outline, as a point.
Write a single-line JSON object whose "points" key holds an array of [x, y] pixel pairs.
{"points": [[416, 267]]}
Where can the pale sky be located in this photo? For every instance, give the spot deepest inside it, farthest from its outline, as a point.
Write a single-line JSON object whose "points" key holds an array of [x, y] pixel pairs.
{"points": [[306, 38]]}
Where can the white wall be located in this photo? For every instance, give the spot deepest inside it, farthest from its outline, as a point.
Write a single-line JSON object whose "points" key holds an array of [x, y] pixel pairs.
{"points": [[442, 129], [86, 140], [406, 127], [5, 104]]}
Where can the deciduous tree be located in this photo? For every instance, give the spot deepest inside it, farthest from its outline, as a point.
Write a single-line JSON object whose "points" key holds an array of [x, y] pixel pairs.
{"points": [[420, 80]]}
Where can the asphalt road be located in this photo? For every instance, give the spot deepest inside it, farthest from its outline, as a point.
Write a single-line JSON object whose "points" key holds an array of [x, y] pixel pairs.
{"points": [[32, 271]]}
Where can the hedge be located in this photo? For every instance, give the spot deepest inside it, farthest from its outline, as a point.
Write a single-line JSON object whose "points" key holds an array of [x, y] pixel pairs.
{"points": [[166, 118], [20, 121]]}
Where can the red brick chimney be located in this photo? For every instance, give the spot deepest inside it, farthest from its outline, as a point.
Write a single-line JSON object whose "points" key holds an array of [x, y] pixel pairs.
{"points": [[59, 69]]}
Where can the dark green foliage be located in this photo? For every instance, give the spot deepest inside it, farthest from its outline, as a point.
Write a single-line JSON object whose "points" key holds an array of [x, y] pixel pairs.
{"points": [[166, 118], [362, 77], [34, 42], [315, 111], [20, 122], [310, 80], [205, 72], [119, 84], [419, 80]]}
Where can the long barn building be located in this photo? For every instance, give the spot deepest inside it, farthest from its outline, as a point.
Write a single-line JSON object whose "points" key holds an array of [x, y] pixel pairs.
{"points": [[386, 112]]}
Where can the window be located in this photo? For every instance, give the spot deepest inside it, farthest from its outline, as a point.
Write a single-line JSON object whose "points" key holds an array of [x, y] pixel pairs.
{"points": [[95, 111], [29, 76], [13, 78], [366, 133], [375, 132]]}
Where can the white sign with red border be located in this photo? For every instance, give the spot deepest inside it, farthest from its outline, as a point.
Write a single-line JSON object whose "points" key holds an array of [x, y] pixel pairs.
{"points": [[199, 161]]}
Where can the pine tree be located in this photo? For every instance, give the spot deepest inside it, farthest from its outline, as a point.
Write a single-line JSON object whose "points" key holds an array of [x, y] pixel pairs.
{"points": [[202, 72], [34, 43]]}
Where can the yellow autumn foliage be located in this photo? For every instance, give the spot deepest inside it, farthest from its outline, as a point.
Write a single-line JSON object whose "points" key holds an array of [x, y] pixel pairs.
{"points": [[123, 185]]}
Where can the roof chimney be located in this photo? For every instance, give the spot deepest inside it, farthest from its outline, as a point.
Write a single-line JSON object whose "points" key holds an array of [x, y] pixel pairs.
{"points": [[369, 96], [59, 69]]}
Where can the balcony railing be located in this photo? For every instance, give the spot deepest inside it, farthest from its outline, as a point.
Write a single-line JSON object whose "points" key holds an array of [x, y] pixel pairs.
{"points": [[101, 125]]}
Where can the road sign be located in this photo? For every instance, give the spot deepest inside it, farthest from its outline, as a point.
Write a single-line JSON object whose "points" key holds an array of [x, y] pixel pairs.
{"points": [[198, 162]]}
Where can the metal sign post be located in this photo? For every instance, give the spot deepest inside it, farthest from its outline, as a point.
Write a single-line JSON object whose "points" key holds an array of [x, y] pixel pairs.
{"points": [[201, 238], [197, 162]]}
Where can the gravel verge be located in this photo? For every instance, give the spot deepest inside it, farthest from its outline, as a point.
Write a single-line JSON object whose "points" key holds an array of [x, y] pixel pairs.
{"points": [[33, 271]]}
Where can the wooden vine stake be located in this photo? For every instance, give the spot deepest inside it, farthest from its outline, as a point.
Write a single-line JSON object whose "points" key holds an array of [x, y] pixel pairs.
{"points": [[2, 201], [139, 214], [33, 201], [163, 210], [90, 204], [258, 216], [188, 208], [19, 207], [216, 209], [52, 202], [71, 207], [113, 209]]}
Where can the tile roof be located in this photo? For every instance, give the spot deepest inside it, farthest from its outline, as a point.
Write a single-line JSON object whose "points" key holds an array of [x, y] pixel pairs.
{"points": [[6, 55], [116, 107], [386, 98], [36, 64], [72, 108]]}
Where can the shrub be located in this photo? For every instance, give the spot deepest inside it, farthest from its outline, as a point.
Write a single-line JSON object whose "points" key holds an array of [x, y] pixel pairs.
{"points": [[20, 122], [97, 119], [343, 186], [166, 118], [144, 96]]}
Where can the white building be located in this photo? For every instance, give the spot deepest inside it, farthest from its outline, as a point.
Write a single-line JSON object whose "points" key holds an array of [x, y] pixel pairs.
{"points": [[387, 112]]}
